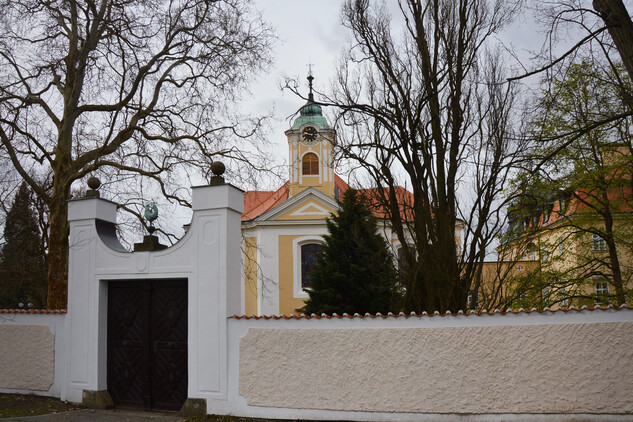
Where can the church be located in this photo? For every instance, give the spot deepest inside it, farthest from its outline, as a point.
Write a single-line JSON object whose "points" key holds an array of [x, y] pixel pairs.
{"points": [[282, 230]]}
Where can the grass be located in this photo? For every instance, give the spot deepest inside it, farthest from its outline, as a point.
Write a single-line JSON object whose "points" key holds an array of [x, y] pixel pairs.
{"points": [[18, 405], [216, 418]]}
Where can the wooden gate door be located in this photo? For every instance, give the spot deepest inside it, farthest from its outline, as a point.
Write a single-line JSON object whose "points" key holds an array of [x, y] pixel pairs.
{"points": [[147, 343]]}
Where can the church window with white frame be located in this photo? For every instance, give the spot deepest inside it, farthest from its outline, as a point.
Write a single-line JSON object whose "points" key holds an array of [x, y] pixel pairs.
{"points": [[309, 255], [310, 164], [403, 264]]}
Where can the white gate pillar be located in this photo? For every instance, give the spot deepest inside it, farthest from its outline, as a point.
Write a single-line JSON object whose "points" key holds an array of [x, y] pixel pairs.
{"points": [[87, 300], [216, 222]]}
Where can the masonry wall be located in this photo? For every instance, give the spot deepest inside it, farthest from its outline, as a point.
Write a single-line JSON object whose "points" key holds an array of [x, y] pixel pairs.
{"points": [[29, 344], [497, 366]]}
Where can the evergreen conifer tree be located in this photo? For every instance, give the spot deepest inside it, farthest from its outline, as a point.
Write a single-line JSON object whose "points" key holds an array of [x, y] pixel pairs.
{"points": [[23, 260], [355, 272]]}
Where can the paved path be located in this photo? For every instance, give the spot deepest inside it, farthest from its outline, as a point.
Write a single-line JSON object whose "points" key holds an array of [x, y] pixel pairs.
{"points": [[90, 415]]}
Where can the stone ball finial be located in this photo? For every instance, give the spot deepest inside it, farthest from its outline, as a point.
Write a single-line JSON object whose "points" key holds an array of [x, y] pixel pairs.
{"points": [[94, 183], [218, 168]]}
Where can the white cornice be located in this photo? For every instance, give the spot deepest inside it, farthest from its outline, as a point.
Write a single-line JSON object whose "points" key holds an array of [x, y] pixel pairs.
{"points": [[253, 224], [285, 206]]}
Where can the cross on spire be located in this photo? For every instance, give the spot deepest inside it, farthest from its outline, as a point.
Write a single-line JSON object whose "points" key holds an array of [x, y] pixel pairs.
{"points": [[310, 79]]}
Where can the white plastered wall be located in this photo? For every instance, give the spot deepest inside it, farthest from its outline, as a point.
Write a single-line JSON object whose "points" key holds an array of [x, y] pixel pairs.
{"points": [[29, 345], [536, 366]]}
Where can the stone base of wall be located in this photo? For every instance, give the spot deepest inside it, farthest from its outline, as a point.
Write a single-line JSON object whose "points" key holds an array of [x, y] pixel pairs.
{"points": [[97, 399], [194, 408]]}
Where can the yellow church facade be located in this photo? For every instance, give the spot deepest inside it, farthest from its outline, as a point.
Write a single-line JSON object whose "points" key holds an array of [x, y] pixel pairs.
{"points": [[282, 230]]}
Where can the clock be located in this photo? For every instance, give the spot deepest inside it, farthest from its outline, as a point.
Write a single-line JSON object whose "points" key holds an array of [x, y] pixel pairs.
{"points": [[309, 135]]}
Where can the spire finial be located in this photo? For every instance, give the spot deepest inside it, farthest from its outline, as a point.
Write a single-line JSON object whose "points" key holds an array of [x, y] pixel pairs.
{"points": [[310, 79]]}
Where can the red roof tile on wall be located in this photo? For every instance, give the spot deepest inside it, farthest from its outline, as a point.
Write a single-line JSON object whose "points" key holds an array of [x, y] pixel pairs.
{"points": [[425, 314], [33, 311]]}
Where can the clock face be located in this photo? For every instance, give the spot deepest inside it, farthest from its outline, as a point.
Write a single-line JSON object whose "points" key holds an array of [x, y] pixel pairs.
{"points": [[309, 135]]}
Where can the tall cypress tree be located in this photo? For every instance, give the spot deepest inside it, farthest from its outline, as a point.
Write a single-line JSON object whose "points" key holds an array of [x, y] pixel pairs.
{"points": [[355, 272], [23, 260]]}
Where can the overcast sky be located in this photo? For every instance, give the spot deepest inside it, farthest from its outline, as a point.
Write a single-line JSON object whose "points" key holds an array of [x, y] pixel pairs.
{"points": [[307, 32], [311, 32]]}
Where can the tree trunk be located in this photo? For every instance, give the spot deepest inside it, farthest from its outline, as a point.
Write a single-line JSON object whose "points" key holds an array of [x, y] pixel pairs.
{"points": [[620, 26], [58, 249], [614, 260]]}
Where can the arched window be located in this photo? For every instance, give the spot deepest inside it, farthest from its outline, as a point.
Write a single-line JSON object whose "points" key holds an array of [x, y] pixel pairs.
{"points": [[403, 264], [473, 299], [309, 253], [310, 164]]}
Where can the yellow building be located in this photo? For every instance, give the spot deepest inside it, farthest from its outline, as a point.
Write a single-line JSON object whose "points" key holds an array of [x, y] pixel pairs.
{"points": [[562, 248], [283, 230]]}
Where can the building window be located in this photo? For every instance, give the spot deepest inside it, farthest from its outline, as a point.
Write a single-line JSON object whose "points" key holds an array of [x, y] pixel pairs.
{"points": [[602, 291], [310, 164], [547, 212], [403, 264], [473, 299], [561, 246], [300, 273], [519, 267], [531, 252], [598, 243], [563, 202], [563, 296], [309, 253], [545, 294]]}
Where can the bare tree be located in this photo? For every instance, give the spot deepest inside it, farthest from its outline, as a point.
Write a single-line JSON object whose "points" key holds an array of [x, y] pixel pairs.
{"points": [[604, 31], [430, 112], [620, 27], [137, 90]]}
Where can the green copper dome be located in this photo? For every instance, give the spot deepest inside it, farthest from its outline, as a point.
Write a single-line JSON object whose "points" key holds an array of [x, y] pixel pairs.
{"points": [[311, 113]]}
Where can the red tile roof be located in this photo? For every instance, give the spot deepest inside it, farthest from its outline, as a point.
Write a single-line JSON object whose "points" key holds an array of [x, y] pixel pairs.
{"points": [[404, 197], [620, 201], [340, 183], [257, 203]]}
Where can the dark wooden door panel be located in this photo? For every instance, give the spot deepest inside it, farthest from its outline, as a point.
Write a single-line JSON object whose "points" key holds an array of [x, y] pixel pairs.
{"points": [[169, 345], [128, 307], [147, 343], [171, 391], [125, 376]]}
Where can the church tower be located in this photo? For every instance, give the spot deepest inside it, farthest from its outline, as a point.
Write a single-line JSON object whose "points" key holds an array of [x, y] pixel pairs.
{"points": [[310, 143]]}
